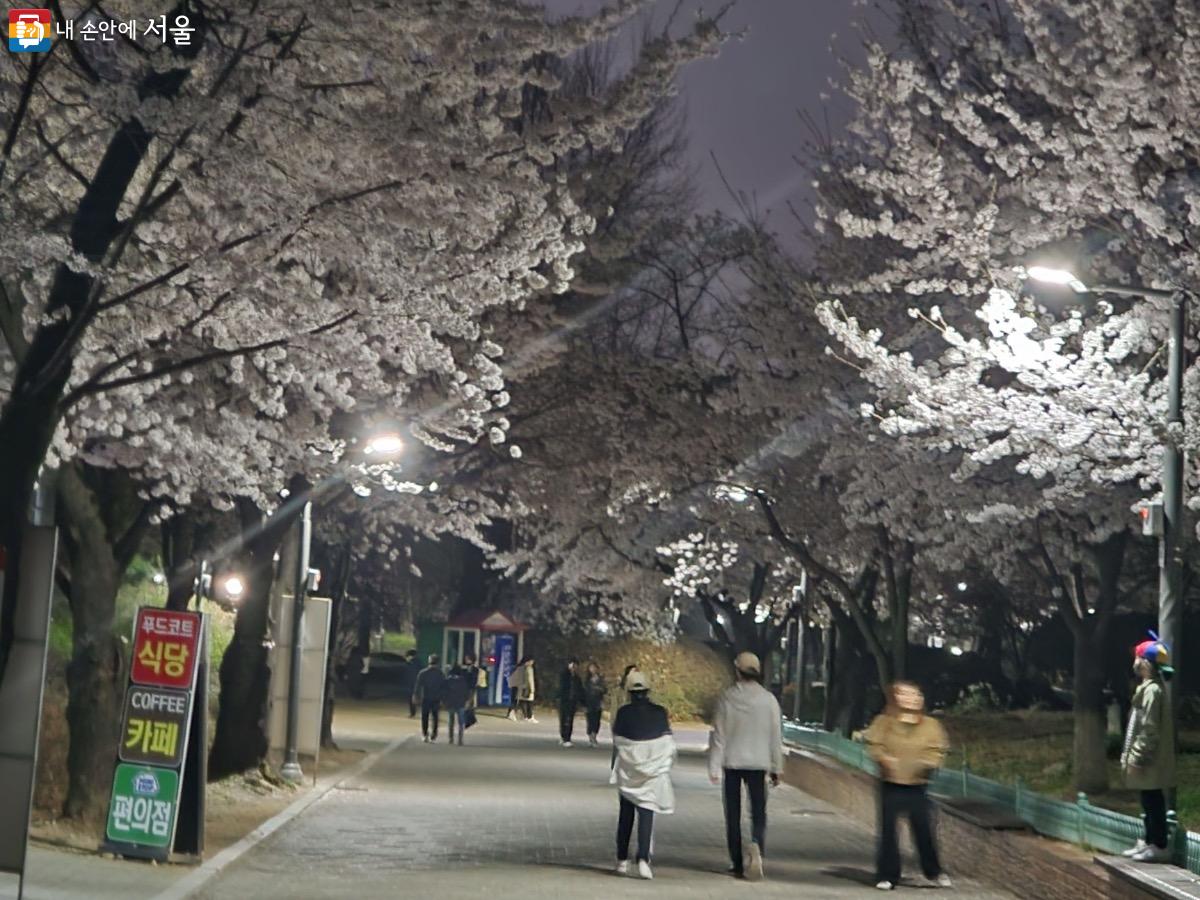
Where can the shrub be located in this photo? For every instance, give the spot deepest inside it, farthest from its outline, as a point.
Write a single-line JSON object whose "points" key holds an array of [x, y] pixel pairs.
{"points": [[685, 676]]}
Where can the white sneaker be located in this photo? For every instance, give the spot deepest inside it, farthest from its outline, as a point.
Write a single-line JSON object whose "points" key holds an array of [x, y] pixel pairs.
{"points": [[942, 881], [532, 719], [567, 744], [512, 716], [1135, 849], [424, 739], [622, 867], [754, 865], [644, 869], [1152, 854], [885, 886]]}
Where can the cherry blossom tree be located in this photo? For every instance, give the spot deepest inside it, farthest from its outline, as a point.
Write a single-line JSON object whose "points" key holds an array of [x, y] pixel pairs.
{"points": [[991, 139]]}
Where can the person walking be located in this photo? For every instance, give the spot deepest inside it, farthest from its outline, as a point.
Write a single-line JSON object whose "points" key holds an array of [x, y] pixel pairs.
{"points": [[456, 694], [570, 692], [528, 691], [430, 682], [594, 691], [1148, 754], [908, 746], [474, 674], [516, 681], [746, 748], [408, 681], [643, 753]]}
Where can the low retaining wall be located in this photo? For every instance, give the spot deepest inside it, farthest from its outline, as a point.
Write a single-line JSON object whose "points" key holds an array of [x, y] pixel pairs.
{"points": [[1024, 863]]}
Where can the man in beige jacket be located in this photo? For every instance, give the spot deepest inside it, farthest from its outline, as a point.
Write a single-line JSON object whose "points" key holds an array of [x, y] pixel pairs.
{"points": [[908, 746]]}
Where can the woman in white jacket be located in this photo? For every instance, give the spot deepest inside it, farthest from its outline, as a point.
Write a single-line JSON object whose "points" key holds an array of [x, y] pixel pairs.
{"points": [[643, 753]]}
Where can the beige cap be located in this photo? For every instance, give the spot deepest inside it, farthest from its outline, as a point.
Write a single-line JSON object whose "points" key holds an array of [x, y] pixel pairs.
{"points": [[747, 662], [636, 682]]}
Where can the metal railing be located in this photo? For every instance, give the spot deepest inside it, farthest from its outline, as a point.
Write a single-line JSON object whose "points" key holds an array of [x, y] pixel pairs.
{"points": [[1079, 823]]}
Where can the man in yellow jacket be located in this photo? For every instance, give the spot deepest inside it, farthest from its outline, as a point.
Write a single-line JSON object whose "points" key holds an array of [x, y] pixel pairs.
{"points": [[908, 747]]}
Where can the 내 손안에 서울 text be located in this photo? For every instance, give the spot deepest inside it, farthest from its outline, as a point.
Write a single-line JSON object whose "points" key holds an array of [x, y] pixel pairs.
{"points": [[31, 30]]}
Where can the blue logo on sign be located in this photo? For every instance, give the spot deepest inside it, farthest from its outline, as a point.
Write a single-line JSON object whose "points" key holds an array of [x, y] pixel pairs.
{"points": [[145, 783]]}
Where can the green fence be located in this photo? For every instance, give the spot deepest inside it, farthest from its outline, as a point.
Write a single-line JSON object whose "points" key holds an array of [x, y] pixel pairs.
{"points": [[1078, 823]]}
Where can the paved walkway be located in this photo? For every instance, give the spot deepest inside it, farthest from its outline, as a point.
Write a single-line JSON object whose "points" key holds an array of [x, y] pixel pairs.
{"points": [[513, 812]]}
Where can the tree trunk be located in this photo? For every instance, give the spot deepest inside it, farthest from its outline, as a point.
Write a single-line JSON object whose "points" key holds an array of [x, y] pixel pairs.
{"points": [[1091, 765], [93, 510], [850, 674], [241, 741], [94, 688], [340, 584], [179, 562]]}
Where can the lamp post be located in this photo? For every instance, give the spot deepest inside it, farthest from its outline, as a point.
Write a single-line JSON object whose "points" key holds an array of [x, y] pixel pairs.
{"points": [[382, 446], [1170, 567]]}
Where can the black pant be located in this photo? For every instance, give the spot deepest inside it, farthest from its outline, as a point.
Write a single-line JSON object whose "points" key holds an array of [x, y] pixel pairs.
{"points": [[412, 707], [527, 708], [593, 721], [429, 708], [756, 783], [1154, 815], [566, 720], [454, 716], [645, 819], [911, 800]]}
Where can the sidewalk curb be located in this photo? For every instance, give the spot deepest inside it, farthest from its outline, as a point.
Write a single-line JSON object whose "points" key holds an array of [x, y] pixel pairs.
{"points": [[197, 878]]}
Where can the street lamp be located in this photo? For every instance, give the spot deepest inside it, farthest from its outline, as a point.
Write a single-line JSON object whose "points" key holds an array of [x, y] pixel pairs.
{"points": [[233, 587], [383, 445], [1170, 569]]}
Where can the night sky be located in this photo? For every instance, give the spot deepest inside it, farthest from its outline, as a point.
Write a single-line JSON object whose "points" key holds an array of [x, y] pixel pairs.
{"points": [[743, 106]]}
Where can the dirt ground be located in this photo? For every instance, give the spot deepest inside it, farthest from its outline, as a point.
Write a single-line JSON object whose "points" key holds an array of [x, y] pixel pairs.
{"points": [[236, 806]]}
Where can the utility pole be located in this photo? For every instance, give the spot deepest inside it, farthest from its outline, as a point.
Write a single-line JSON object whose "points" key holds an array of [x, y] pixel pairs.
{"points": [[291, 760]]}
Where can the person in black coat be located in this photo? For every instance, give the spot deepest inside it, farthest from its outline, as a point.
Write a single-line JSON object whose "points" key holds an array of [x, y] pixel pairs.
{"points": [[408, 681], [594, 691], [456, 695], [570, 692], [428, 691]]}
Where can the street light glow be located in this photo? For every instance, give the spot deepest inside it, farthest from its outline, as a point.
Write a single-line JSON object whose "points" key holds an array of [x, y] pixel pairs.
{"points": [[233, 587], [1047, 275], [387, 444], [602, 627], [962, 585]]}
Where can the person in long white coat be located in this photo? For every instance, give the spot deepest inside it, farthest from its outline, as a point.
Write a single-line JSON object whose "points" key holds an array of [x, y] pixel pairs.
{"points": [[643, 753]]}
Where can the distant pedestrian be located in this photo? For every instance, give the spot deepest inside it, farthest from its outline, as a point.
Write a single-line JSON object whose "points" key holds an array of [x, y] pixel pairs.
{"points": [[428, 691], [408, 681], [1148, 754], [570, 693], [594, 691], [909, 746], [746, 748], [474, 674], [516, 681], [528, 691], [456, 694], [643, 753]]}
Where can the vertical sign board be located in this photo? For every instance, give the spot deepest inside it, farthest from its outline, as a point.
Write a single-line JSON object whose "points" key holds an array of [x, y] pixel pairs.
{"points": [[160, 703], [505, 648], [21, 692]]}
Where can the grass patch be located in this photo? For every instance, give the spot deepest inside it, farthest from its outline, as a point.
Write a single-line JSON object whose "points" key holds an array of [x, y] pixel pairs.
{"points": [[1036, 747], [398, 642]]}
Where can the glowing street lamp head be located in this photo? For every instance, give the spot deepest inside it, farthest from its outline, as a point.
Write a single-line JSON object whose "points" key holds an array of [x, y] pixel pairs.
{"points": [[602, 627], [1048, 275], [233, 587], [387, 444]]}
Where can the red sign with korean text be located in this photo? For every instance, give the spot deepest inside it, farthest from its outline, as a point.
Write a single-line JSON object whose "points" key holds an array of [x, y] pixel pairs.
{"points": [[165, 648]]}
